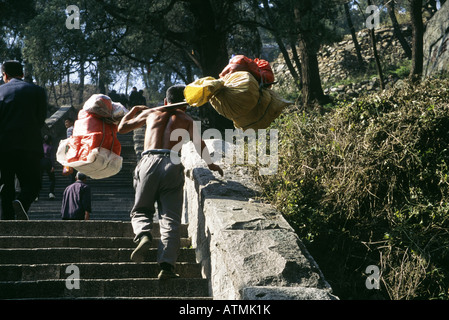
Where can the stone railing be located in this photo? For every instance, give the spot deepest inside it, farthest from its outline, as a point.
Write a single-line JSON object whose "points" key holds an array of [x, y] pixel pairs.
{"points": [[246, 248]]}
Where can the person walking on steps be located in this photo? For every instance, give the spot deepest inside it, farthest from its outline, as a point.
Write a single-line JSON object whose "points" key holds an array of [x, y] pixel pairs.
{"points": [[48, 165], [76, 200], [23, 109], [158, 178]]}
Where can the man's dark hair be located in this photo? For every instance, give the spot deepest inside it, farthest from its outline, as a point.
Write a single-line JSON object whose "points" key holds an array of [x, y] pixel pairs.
{"points": [[47, 139], [175, 93], [12, 68], [81, 176]]}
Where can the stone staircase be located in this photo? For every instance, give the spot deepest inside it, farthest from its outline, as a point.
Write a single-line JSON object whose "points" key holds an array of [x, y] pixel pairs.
{"points": [[47, 258], [35, 256]]}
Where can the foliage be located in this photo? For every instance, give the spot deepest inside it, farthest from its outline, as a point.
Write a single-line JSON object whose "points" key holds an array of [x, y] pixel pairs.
{"points": [[402, 71], [368, 184], [13, 14]]}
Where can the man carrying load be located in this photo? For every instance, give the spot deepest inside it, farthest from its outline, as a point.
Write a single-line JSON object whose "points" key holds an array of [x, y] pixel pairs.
{"points": [[158, 179]]}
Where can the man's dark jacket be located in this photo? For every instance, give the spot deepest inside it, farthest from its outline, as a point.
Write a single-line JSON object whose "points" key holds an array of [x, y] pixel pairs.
{"points": [[76, 200], [23, 110]]}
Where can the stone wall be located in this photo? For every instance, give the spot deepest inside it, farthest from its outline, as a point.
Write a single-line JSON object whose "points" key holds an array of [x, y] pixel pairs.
{"points": [[246, 248]]}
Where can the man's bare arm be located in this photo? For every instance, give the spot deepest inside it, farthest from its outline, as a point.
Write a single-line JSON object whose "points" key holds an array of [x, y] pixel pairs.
{"points": [[134, 119], [137, 117]]}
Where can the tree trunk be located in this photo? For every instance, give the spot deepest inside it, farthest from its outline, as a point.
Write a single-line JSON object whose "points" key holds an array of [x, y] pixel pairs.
{"points": [[287, 59], [210, 46], [312, 91], [418, 40], [377, 59], [69, 88], [55, 95], [127, 82], [376, 54], [189, 74], [358, 50], [101, 84], [296, 59], [28, 72], [282, 48], [101, 78], [210, 50], [397, 30], [61, 84], [82, 74], [145, 76]]}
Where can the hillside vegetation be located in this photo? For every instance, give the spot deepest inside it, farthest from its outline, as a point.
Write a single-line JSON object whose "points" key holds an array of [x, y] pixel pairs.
{"points": [[367, 184]]}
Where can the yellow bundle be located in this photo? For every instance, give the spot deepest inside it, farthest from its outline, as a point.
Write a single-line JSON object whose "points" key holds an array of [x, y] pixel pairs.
{"points": [[199, 92], [237, 96]]}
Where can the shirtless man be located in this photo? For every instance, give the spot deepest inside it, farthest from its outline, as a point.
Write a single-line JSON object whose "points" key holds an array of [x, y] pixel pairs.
{"points": [[158, 179]]}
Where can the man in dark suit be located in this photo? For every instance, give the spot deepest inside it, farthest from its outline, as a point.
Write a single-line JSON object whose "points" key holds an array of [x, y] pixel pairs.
{"points": [[23, 109]]}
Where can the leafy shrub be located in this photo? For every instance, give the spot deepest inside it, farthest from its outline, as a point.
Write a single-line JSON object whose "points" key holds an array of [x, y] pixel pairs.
{"points": [[402, 71], [368, 184]]}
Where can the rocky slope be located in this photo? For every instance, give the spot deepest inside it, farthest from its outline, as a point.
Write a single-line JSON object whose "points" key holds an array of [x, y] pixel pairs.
{"points": [[338, 64]]}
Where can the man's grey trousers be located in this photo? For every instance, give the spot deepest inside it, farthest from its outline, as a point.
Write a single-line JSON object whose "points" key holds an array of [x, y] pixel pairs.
{"points": [[158, 180]]}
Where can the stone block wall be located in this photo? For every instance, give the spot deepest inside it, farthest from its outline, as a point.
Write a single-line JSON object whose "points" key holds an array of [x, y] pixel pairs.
{"points": [[246, 248], [436, 43]]}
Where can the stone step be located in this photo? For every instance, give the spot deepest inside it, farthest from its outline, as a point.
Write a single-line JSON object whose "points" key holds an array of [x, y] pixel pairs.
{"points": [[105, 210], [113, 288], [9, 242], [69, 228], [34, 256], [117, 216], [103, 205], [92, 270], [79, 255]]}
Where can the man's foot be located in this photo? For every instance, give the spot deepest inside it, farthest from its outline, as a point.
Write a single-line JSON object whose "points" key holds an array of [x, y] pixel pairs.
{"points": [[19, 210], [51, 196], [144, 245], [167, 272]]}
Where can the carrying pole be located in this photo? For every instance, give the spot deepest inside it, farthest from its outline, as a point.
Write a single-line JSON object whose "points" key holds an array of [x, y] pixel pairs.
{"points": [[172, 106]]}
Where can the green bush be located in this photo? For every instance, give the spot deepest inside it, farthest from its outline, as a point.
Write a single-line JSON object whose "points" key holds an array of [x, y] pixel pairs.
{"points": [[402, 71], [368, 184]]}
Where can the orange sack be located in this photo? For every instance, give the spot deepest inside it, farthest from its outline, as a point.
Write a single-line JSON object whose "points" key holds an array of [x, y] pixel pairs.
{"points": [[90, 132], [259, 68], [93, 148]]}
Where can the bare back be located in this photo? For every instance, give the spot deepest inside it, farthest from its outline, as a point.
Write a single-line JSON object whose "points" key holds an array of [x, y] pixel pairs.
{"points": [[160, 125]]}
